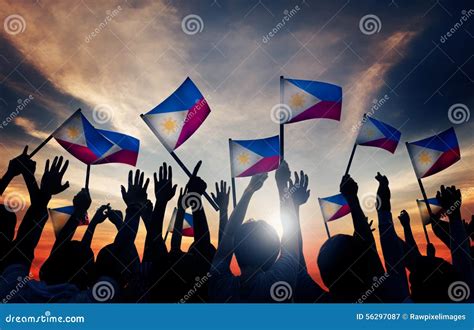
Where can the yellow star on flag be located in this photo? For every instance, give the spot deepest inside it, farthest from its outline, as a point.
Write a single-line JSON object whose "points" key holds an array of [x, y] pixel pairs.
{"points": [[169, 125], [370, 132], [425, 157], [297, 100], [243, 158]]}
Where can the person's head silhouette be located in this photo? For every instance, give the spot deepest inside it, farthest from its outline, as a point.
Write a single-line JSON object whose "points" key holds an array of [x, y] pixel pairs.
{"points": [[431, 278], [257, 245], [345, 267], [70, 263], [117, 262]]}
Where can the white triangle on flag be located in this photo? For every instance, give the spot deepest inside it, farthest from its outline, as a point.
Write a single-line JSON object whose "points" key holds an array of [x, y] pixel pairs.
{"points": [[115, 148], [422, 158], [167, 126], [297, 99], [369, 132], [328, 209], [242, 158], [72, 131]]}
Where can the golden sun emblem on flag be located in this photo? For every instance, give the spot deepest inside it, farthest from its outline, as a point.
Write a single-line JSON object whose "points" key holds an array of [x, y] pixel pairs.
{"points": [[243, 158], [425, 158], [297, 100], [169, 125], [370, 132], [73, 132]]}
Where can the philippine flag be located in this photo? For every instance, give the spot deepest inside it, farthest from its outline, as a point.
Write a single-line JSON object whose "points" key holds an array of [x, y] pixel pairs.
{"points": [[434, 206], [434, 154], [250, 157], [188, 225], [81, 139], [175, 119], [374, 133], [333, 207], [60, 216], [311, 99], [124, 150]]}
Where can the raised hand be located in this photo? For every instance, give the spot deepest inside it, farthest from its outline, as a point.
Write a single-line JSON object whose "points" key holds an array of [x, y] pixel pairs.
{"points": [[404, 218], [101, 214], [299, 189], [21, 164], [82, 201], [256, 182], [164, 189], [450, 199], [222, 195], [195, 184], [147, 213], [53, 176], [383, 193], [116, 217], [348, 187], [282, 176], [135, 194]]}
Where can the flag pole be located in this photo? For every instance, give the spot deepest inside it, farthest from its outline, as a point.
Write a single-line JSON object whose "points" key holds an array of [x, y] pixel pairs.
{"points": [[324, 220], [88, 172], [282, 126], [180, 163], [38, 148], [425, 198], [350, 159], [232, 179]]}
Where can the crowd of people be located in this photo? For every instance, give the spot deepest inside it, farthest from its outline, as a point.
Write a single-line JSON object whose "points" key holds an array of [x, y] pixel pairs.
{"points": [[351, 267]]}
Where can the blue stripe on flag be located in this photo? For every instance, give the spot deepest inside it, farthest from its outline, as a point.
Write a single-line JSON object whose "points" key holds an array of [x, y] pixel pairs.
{"points": [[267, 147], [322, 90]]}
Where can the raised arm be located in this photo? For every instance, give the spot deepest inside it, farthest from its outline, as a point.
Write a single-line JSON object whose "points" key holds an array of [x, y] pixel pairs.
{"points": [[450, 199], [177, 236], [404, 218], [81, 202], [391, 248], [222, 200], [440, 229], [164, 190], [31, 227], [135, 197], [100, 215], [226, 247]]}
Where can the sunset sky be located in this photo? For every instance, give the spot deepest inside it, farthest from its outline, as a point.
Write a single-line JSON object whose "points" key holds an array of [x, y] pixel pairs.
{"points": [[142, 54]]}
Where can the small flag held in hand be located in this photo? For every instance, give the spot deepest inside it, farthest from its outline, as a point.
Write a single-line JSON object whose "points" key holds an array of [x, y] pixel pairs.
{"points": [[188, 225], [250, 157], [435, 207], [333, 207], [60, 216], [434, 154], [374, 133]]}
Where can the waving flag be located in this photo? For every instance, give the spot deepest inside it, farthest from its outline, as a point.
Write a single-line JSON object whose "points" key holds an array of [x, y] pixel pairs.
{"points": [[249, 157], [311, 99], [434, 154], [374, 133], [188, 225], [60, 216], [81, 139], [124, 150], [333, 207], [175, 119], [434, 206]]}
